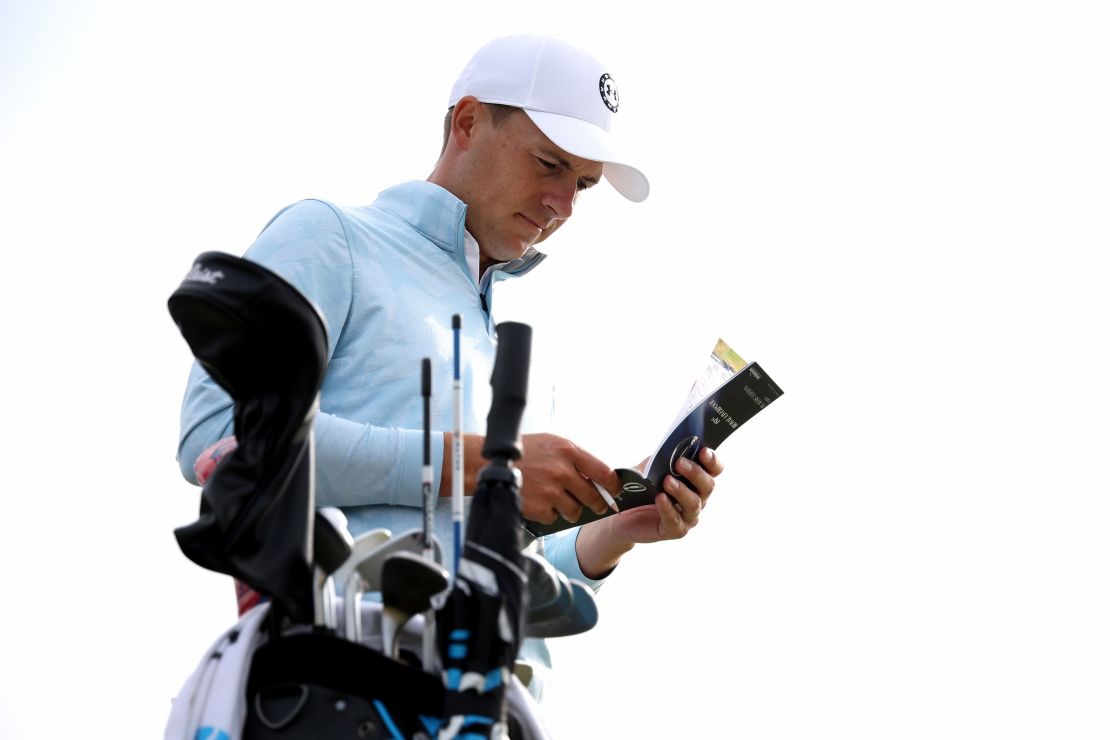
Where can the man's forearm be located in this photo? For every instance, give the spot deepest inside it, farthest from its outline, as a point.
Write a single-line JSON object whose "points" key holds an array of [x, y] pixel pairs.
{"points": [[598, 549], [472, 462], [359, 464]]}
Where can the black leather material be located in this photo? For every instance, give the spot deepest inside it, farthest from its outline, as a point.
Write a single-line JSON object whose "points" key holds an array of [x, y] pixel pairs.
{"points": [[265, 344]]}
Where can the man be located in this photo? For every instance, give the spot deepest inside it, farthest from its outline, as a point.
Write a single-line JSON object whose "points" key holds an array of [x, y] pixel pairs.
{"points": [[527, 131]]}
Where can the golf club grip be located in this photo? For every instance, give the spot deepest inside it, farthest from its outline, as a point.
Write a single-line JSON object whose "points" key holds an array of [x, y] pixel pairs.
{"points": [[510, 390], [426, 393]]}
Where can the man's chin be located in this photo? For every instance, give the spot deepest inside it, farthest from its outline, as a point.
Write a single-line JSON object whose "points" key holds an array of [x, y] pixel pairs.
{"points": [[547, 232], [506, 253]]}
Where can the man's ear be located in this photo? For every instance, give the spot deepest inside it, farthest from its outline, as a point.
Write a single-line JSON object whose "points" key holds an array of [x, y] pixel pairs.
{"points": [[468, 111]]}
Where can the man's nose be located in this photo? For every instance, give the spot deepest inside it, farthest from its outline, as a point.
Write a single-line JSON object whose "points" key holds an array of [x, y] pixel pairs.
{"points": [[560, 197]]}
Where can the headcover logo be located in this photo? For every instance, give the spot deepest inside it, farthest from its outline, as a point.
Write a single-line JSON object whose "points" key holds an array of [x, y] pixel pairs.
{"points": [[202, 274], [609, 94], [633, 487]]}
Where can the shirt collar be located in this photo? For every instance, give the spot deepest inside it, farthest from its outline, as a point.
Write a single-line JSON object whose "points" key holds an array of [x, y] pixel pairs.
{"points": [[473, 255], [441, 217]]}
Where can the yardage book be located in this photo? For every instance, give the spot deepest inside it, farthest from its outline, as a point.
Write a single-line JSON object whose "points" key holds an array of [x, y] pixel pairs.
{"points": [[729, 393]]}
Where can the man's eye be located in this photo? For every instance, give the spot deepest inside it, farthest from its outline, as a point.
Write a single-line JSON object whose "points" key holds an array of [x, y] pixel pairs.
{"points": [[546, 165], [582, 185]]}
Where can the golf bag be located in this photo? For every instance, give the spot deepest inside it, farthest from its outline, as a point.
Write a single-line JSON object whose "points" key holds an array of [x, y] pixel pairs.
{"points": [[284, 670]]}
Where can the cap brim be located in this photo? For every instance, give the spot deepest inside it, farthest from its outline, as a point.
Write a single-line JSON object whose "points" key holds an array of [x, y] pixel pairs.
{"points": [[585, 140]]}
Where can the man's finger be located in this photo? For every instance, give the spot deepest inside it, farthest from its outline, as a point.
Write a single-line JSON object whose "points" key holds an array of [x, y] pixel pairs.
{"points": [[568, 507], [594, 469], [668, 514], [687, 502], [711, 461], [589, 493], [701, 479]]}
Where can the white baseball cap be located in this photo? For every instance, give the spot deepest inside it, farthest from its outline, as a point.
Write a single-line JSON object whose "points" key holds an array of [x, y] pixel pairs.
{"points": [[566, 92]]}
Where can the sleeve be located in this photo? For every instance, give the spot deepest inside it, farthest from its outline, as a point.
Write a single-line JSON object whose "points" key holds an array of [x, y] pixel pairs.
{"points": [[356, 463], [559, 549]]}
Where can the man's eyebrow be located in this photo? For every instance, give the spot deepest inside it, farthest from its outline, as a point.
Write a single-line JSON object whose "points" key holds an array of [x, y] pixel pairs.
{"points": [[561, 160]]}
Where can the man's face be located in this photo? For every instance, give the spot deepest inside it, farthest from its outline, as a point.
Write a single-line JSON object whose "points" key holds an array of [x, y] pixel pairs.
{"points": [[521, 186]]}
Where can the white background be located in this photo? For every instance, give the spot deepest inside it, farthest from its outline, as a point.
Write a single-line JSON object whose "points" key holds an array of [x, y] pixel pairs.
{"points": [[898, 209]]}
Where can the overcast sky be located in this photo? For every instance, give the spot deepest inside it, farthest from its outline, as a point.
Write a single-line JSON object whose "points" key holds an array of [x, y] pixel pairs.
{"points": [[898, 209]]}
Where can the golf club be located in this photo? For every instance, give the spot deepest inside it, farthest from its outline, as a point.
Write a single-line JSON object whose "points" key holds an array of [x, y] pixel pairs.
{"points": [[457, 467], [409, 582], [366, 575], [580, 617], [427, 477], [544, 586], [331, 546], [556, 607], [362, 546]]}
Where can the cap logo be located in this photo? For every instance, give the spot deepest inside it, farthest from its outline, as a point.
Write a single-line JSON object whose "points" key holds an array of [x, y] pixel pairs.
{"points": [[609, 94]]}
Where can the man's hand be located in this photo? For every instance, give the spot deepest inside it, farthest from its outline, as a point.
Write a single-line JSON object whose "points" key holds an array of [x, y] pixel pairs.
{"points": [[602, 543], [666, 520], [556, 473], [557, 476]]}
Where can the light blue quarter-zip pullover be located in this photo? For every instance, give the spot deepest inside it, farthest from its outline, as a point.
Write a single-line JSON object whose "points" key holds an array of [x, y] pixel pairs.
{"points": [[387, 278]]}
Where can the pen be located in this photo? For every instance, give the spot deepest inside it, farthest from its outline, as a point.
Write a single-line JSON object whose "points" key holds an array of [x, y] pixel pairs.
{"points": [[605, 495]]}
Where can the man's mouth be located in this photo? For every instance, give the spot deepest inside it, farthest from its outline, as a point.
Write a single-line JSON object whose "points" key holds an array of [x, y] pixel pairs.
{"points": [[536, 225]]}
